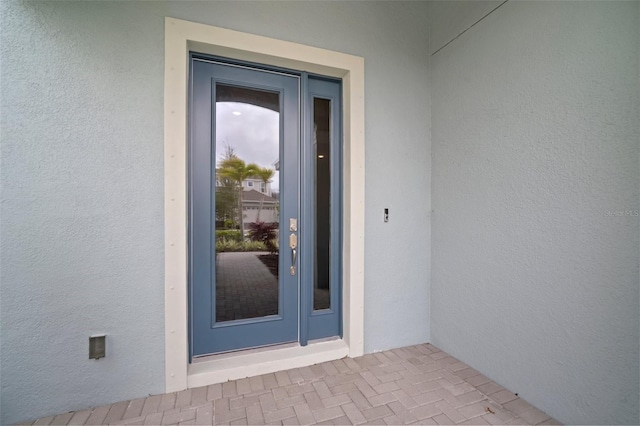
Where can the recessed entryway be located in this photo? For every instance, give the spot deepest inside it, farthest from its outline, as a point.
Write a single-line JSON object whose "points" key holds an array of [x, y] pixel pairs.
{"points": [[182, 37]]}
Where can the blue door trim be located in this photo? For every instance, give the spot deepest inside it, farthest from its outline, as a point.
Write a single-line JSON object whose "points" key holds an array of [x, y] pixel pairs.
{"points": [[306, 208]]}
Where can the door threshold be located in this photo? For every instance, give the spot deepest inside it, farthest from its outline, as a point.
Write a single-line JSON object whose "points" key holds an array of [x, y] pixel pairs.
{"points": [[254, 362], [228, 354]]}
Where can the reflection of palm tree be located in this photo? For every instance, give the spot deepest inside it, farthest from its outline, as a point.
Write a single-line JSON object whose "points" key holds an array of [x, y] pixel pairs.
{"points": [[265, 174], [237, 170]]}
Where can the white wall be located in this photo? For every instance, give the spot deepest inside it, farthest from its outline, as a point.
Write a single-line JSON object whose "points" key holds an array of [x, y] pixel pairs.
{"points": [[535, 132], [448, 19], [82, 175]]}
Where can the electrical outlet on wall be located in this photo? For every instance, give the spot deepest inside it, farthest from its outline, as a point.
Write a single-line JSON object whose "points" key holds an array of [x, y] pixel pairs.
{"points": [[97, 346]]}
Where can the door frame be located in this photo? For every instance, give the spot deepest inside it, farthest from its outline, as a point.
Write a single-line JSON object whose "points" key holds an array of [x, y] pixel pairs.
{"points": [[180, 38]]}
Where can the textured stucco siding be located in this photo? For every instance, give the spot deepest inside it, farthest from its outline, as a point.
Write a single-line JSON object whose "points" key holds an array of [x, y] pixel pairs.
{"points": [[82, 184], [535, 132]]}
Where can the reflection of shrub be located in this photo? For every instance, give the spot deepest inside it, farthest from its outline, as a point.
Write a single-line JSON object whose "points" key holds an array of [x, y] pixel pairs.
{"points": [[224, 245], [229, 234], [264, 233]]}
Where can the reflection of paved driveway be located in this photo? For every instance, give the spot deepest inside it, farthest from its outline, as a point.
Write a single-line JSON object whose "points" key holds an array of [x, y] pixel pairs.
{"points": [[245, 288]]}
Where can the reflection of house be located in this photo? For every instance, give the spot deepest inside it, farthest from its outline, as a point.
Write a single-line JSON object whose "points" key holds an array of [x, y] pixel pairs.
{"points": [[256, 184], [259, 202], [252, 183], [251, 202]]}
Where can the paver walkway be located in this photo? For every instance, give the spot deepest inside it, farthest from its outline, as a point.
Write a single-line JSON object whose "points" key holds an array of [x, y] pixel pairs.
{"points": [[412, 385], [245, 288]]}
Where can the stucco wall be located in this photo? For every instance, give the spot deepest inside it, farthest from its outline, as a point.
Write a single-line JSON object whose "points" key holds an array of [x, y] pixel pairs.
{"points": [[82, 184], [535, 133], [448, 19]]}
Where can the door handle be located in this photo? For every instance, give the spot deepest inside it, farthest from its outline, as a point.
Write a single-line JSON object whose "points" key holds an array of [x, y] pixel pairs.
{"points": [[293, 243]]}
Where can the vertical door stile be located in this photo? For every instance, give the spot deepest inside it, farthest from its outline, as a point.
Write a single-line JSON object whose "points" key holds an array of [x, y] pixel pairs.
{"points": [[306, 210]]}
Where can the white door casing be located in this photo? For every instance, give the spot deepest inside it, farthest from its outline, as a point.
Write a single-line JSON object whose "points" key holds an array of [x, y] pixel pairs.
{"points": [[181, 37]]}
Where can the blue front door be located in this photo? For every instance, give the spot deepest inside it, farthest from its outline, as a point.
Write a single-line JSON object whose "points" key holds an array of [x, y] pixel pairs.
{"points": [[265, 207], [244, 181]]}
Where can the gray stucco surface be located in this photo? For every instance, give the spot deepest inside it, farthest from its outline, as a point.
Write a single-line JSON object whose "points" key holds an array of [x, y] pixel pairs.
{"points": [[535, 155], [82, 184]]}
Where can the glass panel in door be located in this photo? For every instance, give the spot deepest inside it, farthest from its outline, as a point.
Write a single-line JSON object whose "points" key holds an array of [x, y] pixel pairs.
{"points": [[247, 202], [322, 189]]}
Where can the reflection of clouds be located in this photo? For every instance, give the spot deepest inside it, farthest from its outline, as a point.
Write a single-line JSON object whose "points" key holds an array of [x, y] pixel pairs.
{"points": [[254, 134]]}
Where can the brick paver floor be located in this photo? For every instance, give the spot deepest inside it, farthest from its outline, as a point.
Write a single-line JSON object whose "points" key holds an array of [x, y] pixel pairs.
{"points": [[412, 385]]}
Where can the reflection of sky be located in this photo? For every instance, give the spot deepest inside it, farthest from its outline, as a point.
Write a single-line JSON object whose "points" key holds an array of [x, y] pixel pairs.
{"points": [[253, 134]]}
